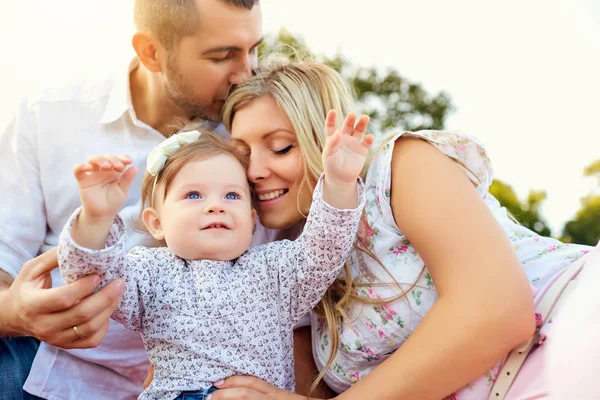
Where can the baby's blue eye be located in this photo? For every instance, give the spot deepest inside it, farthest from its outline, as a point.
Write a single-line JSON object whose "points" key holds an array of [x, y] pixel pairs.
{"points": [[193, 196], [232, 196]]}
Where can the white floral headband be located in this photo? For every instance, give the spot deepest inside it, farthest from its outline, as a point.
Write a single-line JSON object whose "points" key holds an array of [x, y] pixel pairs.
{"points": [[159, 155]]}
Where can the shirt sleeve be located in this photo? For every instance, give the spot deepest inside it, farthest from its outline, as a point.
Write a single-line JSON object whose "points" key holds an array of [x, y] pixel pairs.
{"points": [[110, 263], [310, 264], [22, 208]]}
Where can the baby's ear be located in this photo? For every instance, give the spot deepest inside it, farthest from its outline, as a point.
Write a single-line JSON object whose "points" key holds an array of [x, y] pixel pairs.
{"points": [[152, 223]]}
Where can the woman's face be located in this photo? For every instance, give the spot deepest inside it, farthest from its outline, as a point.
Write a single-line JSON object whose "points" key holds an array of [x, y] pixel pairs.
{"points": [[263, 131]]}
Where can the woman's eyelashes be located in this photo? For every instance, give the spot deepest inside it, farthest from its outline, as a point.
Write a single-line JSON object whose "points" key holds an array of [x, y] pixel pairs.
{"points": [[284, 150]]}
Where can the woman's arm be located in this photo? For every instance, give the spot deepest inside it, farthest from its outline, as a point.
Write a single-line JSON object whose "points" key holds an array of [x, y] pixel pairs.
{"points": [[485, 305]]}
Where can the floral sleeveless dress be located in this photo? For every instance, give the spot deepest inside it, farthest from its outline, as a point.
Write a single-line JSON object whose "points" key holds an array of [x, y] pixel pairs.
{"points": [[377, 331]]}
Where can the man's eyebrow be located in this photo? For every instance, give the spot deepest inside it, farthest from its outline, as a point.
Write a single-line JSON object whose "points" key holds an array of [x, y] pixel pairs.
{"points": [[222, 49]]}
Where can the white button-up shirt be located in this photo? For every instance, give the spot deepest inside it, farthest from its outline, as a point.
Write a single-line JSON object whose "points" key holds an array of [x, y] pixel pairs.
{"points": [[48, 136]]}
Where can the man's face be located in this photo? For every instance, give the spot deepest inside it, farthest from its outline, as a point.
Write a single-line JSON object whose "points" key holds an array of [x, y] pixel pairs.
{"points": [[203, 66]]}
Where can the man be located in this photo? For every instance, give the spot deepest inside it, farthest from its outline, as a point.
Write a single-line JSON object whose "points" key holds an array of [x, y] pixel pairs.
{"points": [[189, 54]]}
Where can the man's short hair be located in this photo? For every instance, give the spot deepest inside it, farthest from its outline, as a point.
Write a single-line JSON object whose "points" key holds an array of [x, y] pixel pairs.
{"points": [[170, 20]]}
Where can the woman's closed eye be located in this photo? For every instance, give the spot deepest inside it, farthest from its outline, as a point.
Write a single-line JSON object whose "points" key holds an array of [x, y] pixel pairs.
{"points": [[193, 196], [232, 196], [284, 150]]}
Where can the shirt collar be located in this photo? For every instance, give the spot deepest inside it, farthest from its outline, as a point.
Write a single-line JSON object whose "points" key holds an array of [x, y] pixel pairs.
{"points": [[119, 101]]}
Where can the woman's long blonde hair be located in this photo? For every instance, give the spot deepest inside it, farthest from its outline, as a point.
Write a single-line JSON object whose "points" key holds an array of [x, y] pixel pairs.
{"points": [[305, 91]]}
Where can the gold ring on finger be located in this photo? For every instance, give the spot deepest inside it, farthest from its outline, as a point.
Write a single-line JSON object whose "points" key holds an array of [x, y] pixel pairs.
{"points": [[77, 332]]}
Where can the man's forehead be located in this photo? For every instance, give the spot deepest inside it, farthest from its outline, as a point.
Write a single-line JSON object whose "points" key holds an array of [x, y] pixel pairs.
{"points": [[221, 21]]}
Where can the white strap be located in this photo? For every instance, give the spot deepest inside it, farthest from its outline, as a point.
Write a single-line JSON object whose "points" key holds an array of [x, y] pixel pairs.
{"points": [[517, 357]]}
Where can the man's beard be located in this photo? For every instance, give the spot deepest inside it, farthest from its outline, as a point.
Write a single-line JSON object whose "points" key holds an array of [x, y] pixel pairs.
{"points": [[178, 92]]}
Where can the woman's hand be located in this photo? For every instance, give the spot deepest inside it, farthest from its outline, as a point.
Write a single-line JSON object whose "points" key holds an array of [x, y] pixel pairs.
{"points": [[346, 149], [251, 388], [243, 387]]}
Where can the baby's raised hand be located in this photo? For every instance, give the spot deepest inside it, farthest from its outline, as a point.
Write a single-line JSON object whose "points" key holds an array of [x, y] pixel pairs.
{"points": [[346, 148], [104, 183]]}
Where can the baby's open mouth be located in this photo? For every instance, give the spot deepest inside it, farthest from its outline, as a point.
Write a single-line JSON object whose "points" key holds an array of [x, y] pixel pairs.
{"points": [[216, 226]]}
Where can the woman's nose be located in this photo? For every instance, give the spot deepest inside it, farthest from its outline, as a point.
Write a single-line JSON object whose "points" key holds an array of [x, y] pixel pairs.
{"points": [[257, 169]]}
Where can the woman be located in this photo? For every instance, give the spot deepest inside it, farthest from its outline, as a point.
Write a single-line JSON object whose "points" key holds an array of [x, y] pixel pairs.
{"points": [[441, 285]]}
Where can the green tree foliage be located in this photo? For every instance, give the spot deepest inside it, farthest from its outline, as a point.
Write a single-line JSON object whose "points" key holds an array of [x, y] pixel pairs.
{"points": [[526, 212], [392, 101], [593, 170], [585, 227]]}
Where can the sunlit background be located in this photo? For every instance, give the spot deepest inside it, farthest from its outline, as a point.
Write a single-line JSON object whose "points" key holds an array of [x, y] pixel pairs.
{"points": [[523, 75]]}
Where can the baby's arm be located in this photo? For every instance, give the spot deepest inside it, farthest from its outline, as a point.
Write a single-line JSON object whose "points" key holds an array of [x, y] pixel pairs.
{"points": [[343, 157], [110, 262], [103, 187], [312, 262], [92, 242]]}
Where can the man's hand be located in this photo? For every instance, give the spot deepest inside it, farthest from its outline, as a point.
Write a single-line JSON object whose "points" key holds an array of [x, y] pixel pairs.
{"points": [[31, 307]]}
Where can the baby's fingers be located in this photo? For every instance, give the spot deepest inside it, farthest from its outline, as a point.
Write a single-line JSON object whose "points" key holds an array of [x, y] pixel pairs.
{"points": [[348, 125], [116, 163], [100, 162], [125, 159], [330, 123], [80, 170], [333, 144], [361, 126], [108, 162], [127, 178], [368, 141]]}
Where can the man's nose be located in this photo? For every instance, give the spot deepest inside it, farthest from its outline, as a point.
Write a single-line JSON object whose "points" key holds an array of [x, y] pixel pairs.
{"points": [[248, 64]]}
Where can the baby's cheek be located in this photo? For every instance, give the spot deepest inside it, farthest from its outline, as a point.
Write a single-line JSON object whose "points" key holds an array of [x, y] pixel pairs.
{"points": [[179, 237]]}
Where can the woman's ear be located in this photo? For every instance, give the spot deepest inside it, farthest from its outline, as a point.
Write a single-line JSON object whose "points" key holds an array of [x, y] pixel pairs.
{"points": [[152, 223]]}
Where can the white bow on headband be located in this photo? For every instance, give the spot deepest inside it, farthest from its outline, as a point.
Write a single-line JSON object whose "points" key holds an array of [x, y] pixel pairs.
{"points": [[158, 156]]}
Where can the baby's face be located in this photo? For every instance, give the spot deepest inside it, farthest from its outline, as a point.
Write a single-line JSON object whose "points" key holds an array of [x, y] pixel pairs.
{"points": [[207, 213]]}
